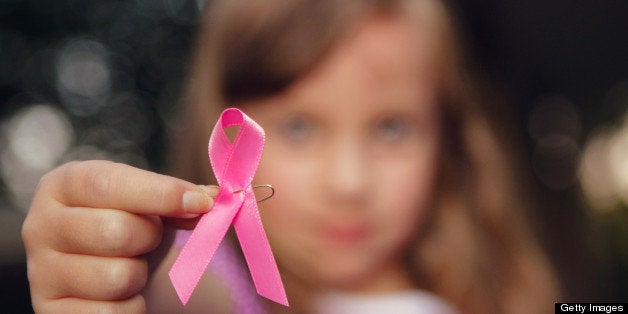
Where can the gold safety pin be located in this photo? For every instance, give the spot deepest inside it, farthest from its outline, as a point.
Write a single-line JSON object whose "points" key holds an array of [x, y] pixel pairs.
{"points": [[268, 186]]}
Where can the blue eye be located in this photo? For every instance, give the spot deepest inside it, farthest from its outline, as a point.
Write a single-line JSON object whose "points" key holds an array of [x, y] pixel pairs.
{"points": [[298, 128], [391, 129]]}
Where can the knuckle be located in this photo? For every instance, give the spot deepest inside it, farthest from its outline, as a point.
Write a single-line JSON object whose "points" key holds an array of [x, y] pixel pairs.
{"points": [[148, 235], [47, 179], [127, 235], [53, 176], [36, 228], [28, 231], [115, 234], [64, 173], [94, 176], [97, 180], [125, 277]]}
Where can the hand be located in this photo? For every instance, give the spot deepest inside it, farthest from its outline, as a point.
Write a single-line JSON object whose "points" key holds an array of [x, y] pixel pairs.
{"points": [[88, 228]]}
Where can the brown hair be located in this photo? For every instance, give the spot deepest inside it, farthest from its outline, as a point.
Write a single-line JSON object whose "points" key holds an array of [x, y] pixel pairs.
{"points": [[476, 249]]}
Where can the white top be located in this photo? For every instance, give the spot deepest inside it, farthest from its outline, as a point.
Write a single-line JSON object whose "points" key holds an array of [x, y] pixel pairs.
{"points": [[409, 301]]}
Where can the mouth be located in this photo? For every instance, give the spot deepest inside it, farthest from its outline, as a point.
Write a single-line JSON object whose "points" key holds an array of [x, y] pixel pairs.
{"points": [[346, 235]]}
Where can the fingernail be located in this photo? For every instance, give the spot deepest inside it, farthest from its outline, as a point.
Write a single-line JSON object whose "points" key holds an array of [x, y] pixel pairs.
{"points": [[211, 190], [196, 202]]}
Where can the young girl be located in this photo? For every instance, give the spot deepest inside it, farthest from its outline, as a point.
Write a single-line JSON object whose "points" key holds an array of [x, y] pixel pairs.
{"points": [[395, 188]]}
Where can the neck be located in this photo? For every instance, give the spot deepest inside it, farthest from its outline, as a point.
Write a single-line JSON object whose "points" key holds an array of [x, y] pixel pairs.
{"points": [[393, 277], [302, 293]]}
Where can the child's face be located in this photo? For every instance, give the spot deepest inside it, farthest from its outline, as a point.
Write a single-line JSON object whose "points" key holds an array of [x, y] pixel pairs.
{"points": [[351, 151]]}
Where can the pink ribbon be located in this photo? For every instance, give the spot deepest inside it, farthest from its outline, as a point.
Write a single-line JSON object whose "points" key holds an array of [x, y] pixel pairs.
{"points": [[234, 165]]}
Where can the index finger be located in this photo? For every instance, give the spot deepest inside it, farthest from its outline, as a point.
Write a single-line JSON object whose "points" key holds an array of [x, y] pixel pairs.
{"points": [[105, 184]]}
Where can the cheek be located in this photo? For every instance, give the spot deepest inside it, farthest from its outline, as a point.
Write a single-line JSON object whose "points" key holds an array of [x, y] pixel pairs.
{"points": [[289, 216], [292, 179], [405, 186]]}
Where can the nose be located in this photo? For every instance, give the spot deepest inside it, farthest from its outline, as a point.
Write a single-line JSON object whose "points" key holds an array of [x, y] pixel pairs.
{"points": [[347, 172]]}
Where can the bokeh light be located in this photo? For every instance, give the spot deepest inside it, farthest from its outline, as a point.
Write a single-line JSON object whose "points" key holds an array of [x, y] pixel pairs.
{"points": [[603, 171], [618, 161], [83, 77], [595, 172], [554, 114], [37, 137], [554, 126]]}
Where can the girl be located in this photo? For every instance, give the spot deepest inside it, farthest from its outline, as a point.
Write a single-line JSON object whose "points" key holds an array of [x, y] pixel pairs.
{"points": [[395, 189]]}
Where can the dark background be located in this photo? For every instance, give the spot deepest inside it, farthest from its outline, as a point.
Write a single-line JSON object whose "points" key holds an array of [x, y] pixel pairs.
{"points": [[84, 79]]}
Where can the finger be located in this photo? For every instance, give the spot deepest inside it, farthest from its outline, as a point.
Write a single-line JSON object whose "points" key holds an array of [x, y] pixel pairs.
{"points": [[103, 232], [190, 223], [89, 277], [135, 304], [104, 184]]}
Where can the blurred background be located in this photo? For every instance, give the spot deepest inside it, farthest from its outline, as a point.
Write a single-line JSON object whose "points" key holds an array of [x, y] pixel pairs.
{"points": [[100, 79]]}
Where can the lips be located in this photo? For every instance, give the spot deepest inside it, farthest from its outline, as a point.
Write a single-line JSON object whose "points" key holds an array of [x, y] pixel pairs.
{"points": [[346, 235]]}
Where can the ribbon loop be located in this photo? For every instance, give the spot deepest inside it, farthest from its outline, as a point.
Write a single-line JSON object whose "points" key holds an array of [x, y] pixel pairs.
{"points": [[234, 166], [239, 160]]}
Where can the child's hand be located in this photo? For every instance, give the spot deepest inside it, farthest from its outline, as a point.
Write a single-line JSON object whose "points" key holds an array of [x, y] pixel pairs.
{"points": [[87, 230]]}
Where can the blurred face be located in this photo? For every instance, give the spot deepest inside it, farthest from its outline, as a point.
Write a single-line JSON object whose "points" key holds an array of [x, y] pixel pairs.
{"points": [[351, 150]]}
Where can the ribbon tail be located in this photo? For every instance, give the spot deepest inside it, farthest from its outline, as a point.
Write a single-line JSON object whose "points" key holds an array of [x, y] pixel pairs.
{"points": [[198, 251], [257, 252]]}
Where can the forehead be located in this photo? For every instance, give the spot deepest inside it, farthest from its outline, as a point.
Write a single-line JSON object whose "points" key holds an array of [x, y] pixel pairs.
{"points": [[386, 55], [388, 44]]}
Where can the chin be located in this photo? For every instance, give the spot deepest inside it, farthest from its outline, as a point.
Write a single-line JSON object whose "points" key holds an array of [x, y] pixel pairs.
{"points": [[345, 275]]}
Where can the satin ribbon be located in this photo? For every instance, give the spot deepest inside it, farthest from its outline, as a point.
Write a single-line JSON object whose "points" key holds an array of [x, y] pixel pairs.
{"points": [[234, 165]]}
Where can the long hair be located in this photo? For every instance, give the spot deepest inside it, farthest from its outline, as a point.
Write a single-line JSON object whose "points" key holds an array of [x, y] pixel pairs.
{"points": [[476, 248]]}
